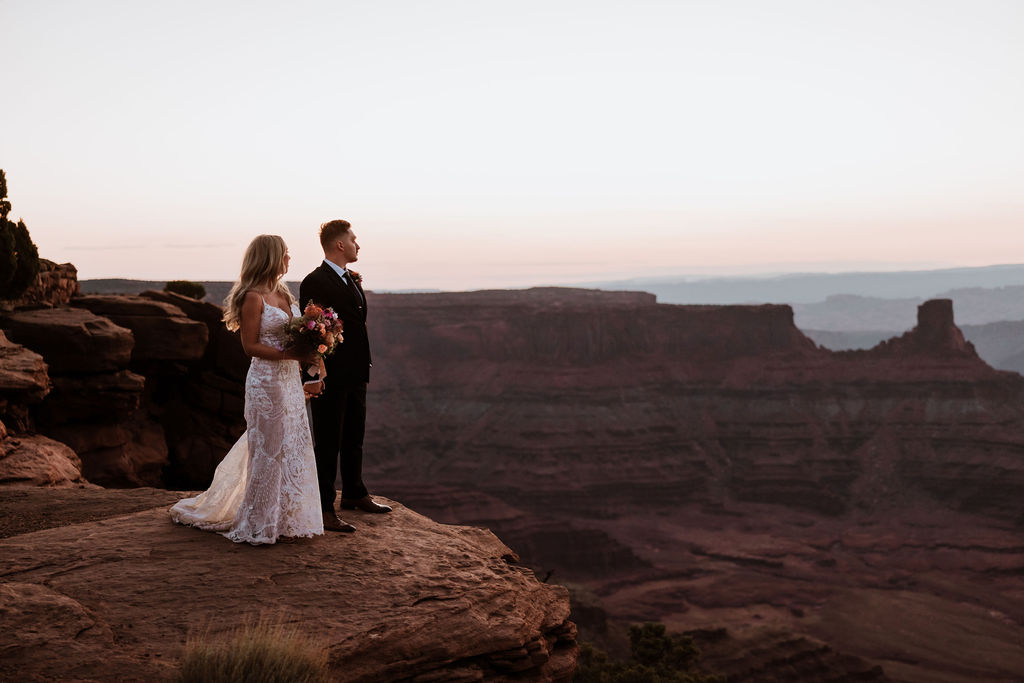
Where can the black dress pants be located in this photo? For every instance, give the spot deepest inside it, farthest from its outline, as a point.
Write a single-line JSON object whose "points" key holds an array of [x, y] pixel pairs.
{"points": [[339, 423]]}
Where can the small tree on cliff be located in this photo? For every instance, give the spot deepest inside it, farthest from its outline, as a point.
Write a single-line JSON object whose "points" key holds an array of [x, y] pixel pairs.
{"points": [[8, 259], [657, 657], [19, 258], [195, 290]]}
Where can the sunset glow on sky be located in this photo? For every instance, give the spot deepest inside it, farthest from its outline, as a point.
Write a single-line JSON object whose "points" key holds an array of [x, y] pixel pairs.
{"points": [[477, 144]]}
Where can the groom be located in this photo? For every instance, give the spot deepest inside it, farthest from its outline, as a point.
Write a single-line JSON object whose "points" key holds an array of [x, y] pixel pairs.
{"points": [[339, 413]]}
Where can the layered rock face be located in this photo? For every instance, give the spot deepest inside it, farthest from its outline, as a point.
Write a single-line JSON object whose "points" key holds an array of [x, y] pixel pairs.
{"points": [[55, 285], [562, 403], [24, 380], [405, 599], [26, 458], [139, 390], [710, 466]]}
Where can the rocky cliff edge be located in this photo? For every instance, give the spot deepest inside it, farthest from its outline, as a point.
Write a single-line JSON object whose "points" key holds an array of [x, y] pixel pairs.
{"points": [[403, 599]]}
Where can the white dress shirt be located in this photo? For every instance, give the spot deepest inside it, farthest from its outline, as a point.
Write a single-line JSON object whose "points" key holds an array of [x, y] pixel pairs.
{"points": [[345, 275]]}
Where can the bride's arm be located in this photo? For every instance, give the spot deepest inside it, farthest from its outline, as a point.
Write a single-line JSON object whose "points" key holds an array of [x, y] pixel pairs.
{"points": [[249, 323]]}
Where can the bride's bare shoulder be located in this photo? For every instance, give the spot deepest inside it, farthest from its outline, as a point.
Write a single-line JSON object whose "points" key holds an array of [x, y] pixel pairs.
{"points": [[252, 299]]}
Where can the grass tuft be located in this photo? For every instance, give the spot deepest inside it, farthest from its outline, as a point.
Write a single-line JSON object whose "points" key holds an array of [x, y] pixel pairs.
{"points": [[264, 651]]}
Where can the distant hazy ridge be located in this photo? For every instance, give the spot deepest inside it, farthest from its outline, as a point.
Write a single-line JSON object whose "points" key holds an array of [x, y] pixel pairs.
{"points": [[837, 311]]}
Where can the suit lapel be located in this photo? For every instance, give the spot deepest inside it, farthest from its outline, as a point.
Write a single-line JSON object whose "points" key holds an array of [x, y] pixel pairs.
{"points": [[361, 296], [349, 297]]}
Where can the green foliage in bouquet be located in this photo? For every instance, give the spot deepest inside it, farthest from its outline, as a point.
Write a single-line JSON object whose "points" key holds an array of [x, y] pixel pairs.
{"points": [[19, 258], [195, 290], [657, 657]]}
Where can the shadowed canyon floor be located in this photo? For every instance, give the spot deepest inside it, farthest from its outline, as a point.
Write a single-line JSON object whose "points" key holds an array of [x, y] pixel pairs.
{"points": [[928, 596], [100, 595]]}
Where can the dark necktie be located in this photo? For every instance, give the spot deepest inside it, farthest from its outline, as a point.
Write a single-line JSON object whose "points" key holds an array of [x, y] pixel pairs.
{"points": [[351, 283]]}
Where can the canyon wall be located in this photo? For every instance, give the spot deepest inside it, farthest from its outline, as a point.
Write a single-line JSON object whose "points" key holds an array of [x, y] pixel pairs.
{"points": [[558, 399]]}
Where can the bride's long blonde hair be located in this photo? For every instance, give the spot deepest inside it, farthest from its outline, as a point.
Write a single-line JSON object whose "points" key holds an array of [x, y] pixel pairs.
{"points": [[262, 270]]}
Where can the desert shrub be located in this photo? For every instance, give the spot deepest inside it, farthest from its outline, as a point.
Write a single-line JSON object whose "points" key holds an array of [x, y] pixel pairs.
{"points": [[266, 651], [656, 657], [8, 258], [19, 258], [27, 268], [196, 290]]}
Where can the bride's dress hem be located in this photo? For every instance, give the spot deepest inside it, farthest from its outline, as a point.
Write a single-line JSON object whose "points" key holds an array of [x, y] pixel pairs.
{"points": [[265, 488]]}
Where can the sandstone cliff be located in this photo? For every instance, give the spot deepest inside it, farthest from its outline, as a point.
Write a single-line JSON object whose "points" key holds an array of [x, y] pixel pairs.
{"points": [[141, 390], [114, 597]]}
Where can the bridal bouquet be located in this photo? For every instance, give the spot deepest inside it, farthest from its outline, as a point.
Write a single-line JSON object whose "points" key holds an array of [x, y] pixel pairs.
{"points": [[317, 329]]}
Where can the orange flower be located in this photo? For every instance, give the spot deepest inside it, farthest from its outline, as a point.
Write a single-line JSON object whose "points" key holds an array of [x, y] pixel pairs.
{"points": [[321, 349]]}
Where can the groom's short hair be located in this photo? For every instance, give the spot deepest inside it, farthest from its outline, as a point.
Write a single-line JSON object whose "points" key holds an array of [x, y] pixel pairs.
{"points": [[332, 230]]}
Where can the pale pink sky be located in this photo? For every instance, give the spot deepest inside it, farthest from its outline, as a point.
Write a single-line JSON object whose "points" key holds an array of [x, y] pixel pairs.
{"points": [[486, 145]]}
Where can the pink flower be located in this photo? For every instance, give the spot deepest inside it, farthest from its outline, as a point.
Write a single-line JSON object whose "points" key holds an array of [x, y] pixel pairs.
{"points": [[321, 349], [311, 324]]}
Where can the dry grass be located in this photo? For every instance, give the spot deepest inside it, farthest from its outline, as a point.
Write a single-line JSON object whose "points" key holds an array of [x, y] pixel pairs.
{"points": [[265, 651]]}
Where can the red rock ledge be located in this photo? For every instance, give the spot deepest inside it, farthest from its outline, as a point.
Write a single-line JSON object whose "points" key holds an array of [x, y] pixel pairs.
{"points": [[403, 599]]}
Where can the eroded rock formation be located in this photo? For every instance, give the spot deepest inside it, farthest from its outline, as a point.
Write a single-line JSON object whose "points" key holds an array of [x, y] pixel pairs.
{"points": [[24, 381], [139, 390], [161, 331], [55, 285], [35, 460]]}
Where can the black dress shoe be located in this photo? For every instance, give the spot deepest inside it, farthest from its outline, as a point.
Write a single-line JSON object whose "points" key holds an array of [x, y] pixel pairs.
{"points": [[334, 523], [365, 504]]}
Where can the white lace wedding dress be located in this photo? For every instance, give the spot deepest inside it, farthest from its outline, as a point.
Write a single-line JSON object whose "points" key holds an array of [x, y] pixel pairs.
{"points": [[266, 486]]}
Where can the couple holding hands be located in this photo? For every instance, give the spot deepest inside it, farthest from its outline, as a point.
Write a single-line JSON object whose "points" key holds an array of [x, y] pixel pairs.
{"points": [[277, 481]]}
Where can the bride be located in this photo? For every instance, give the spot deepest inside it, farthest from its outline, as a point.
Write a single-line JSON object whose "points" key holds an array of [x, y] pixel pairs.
{"points": [[266, 486]]}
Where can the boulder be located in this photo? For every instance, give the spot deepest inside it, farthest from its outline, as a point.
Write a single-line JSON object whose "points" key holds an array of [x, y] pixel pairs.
{"points": [[162, 331], [24, 380], [36, 460], [23, 373], [71, 340], [224, 350]]}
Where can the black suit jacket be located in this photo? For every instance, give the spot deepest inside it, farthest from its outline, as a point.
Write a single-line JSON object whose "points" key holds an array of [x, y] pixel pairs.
{"points": [[350, 362]]}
